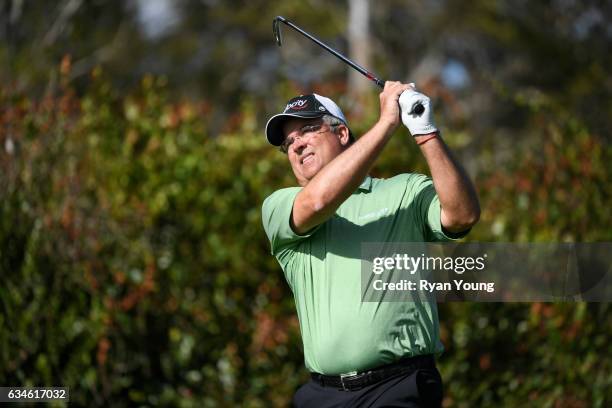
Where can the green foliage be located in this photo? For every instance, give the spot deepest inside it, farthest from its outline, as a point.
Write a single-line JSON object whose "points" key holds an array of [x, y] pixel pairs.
{"points": [[136, 272], [133, 253], [134, 267]]}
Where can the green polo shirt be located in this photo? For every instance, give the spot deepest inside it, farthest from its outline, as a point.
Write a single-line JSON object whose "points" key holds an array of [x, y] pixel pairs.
{"points": [[323, 268]]}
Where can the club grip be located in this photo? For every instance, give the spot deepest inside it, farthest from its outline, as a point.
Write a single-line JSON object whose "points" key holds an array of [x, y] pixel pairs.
{"points": [[417, 109]]}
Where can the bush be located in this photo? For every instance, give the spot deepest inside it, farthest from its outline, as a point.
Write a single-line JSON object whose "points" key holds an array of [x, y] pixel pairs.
{"points": [[136, 271]]}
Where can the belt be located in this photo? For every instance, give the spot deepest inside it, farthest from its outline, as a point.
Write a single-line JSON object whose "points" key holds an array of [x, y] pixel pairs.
{"points": [[355, 381]]}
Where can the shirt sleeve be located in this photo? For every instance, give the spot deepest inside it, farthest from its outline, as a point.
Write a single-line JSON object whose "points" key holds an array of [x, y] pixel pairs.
{"points": [[276, 217], [435, 224], [427, 203]]}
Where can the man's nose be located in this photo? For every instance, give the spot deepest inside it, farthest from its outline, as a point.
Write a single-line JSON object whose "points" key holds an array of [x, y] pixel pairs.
{"points": [[299, 144]]}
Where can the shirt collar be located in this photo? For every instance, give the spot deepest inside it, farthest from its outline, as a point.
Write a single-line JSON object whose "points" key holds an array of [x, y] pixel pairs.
{"points": [[366, 185]]}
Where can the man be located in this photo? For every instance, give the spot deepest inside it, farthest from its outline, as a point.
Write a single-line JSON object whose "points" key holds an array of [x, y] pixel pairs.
{"points": [[361, 353]]}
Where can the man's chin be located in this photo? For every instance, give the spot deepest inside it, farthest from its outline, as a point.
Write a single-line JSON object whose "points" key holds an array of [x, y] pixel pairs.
{"points": [[305, 176], [310, 171]]}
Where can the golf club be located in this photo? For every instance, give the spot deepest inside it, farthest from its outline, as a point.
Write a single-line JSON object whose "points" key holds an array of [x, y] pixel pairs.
{"points": [[417, 108]]}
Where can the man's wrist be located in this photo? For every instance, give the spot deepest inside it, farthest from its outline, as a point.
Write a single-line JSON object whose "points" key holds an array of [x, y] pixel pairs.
{"points": [[422, 139], [385, 127]]}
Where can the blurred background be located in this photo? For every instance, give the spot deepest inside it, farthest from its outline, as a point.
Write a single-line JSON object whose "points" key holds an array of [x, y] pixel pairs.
{"points": [[133, 165]]}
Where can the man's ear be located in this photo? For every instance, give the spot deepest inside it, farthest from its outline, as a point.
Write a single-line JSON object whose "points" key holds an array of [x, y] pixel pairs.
{"points": [[343, 135]]}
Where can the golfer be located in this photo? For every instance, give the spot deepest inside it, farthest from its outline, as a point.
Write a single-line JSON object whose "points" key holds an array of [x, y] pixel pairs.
{"points": [[361, 354]]}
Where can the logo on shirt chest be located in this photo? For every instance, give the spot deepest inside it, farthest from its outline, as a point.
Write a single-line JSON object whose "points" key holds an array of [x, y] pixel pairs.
{"points": [[375, 214]]}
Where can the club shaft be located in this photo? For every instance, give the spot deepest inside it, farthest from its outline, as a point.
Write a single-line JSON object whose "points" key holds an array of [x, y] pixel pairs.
{"points": [[417, 109], [356, 66]]}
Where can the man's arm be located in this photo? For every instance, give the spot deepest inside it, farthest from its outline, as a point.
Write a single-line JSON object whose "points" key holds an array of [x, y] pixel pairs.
{"points": [[335, 182], [458, 198]]}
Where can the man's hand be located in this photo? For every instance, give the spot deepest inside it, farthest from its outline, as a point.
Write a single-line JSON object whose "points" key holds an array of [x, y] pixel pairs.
{"points": [[417, 124], [389, 108]]}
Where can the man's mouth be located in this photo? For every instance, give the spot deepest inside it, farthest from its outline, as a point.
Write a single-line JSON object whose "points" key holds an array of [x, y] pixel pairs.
{"points": [[307, 158]]}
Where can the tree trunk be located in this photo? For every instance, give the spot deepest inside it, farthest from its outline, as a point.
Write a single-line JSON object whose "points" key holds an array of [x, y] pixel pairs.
{"points": [[359, 45]]}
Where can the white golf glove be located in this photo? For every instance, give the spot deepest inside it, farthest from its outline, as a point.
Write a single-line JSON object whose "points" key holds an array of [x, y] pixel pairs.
{"points": [[417, 124]]}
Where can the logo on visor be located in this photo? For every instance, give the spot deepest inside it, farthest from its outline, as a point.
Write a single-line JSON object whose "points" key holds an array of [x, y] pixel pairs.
{"points": [[297, 105]]}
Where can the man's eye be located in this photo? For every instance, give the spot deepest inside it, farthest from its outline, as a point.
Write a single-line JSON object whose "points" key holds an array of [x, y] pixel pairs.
{"points": [[288, 141], [310, 128]]}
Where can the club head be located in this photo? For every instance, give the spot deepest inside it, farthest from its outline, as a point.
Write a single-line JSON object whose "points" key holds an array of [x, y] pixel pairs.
{"points": [[276, 29]]}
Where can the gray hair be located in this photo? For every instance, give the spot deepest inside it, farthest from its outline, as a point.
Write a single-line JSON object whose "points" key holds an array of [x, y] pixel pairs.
{"points": [[333, 122]]}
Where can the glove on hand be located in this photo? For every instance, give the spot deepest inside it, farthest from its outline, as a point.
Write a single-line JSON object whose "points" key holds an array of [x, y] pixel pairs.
{"points": [[417, 124]]}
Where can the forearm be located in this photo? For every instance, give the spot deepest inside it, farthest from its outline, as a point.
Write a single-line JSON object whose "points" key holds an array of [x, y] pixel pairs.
{"points": [[322, 196], [458, 198]]}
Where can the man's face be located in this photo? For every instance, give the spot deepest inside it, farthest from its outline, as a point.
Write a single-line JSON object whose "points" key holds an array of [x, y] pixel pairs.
{"points": [[314, 145]]}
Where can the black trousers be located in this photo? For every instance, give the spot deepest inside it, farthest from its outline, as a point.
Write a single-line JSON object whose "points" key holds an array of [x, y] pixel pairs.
{"points": [[421, 388]]}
